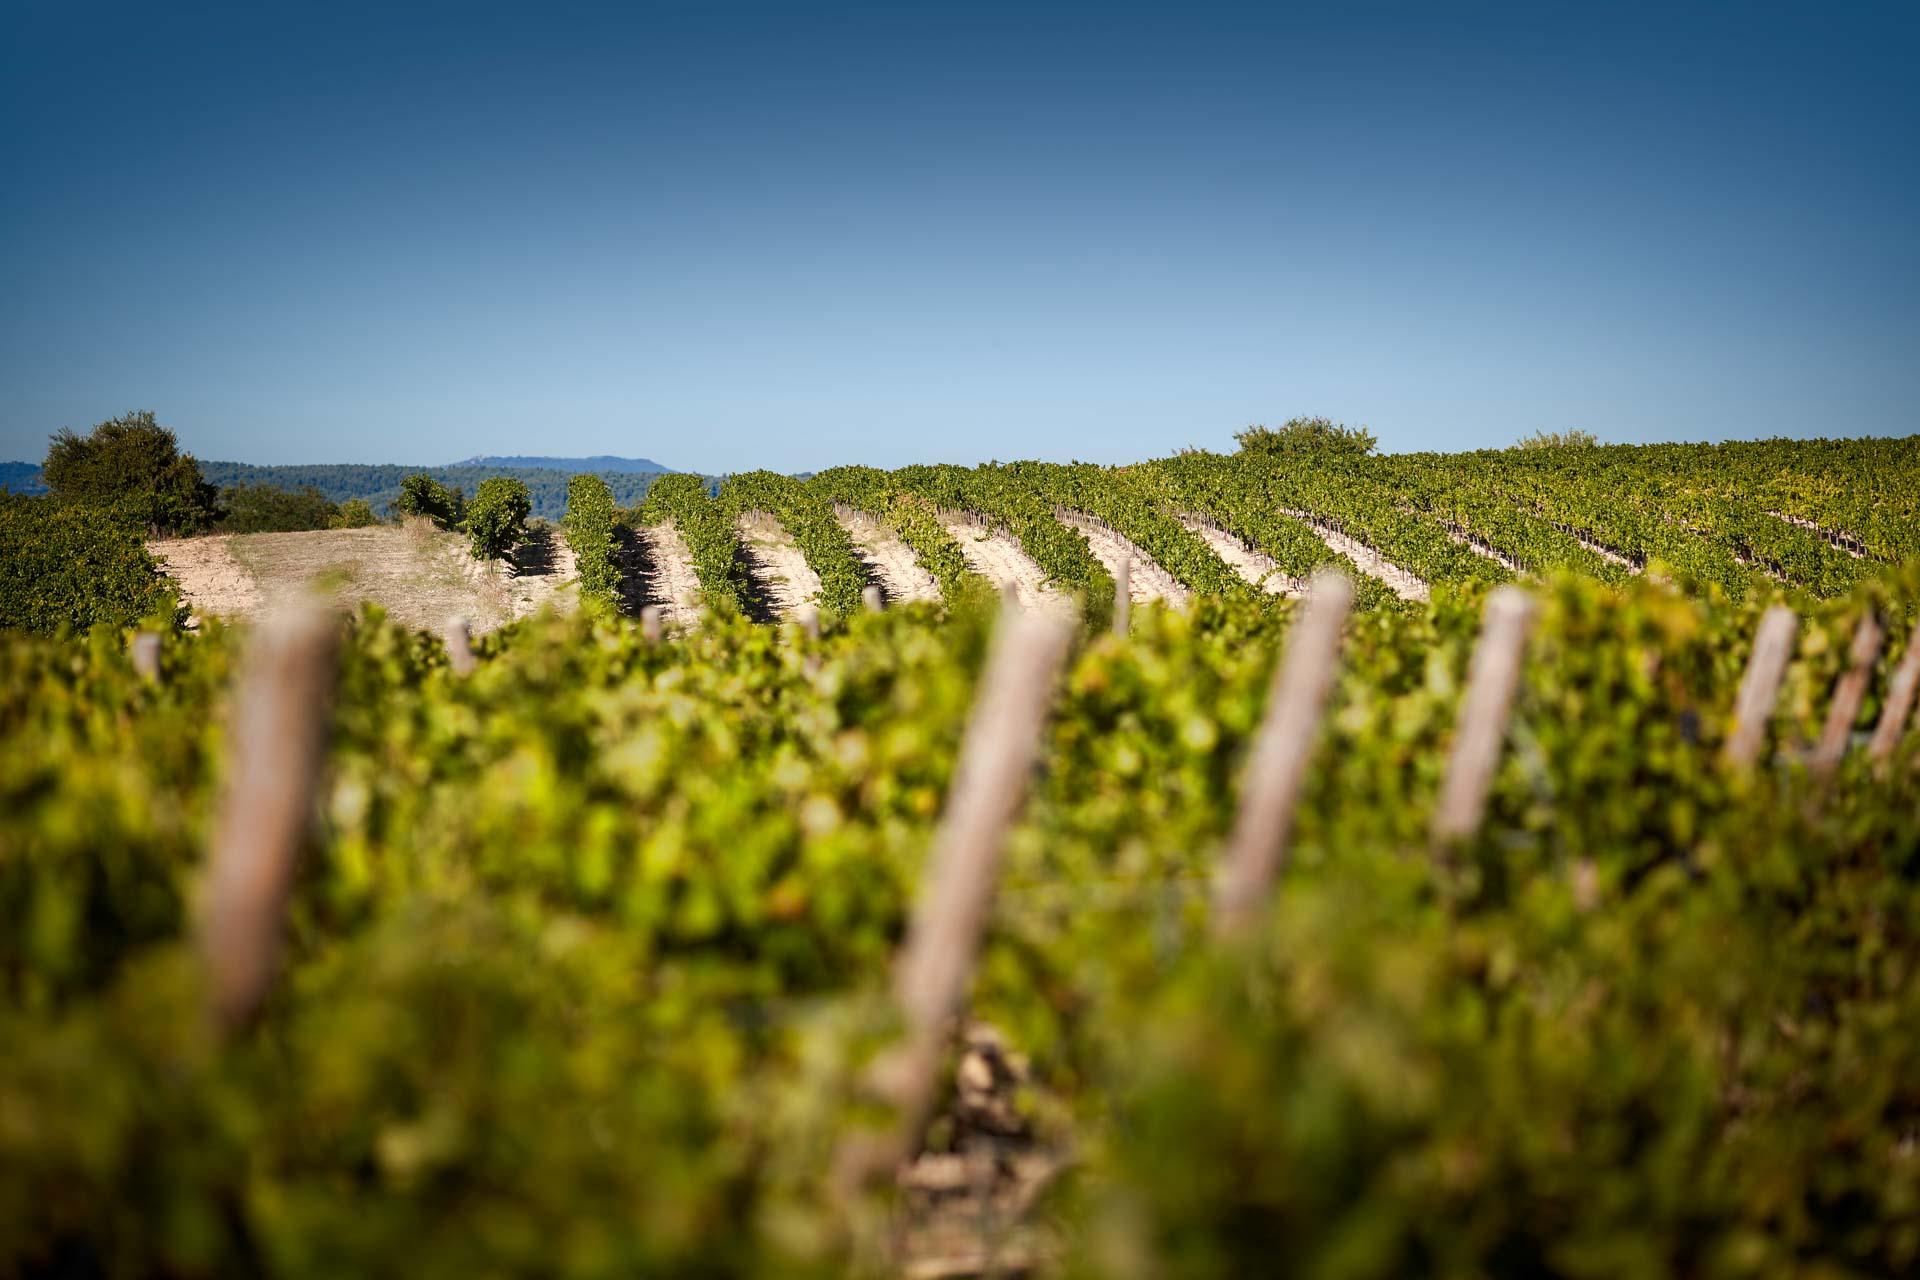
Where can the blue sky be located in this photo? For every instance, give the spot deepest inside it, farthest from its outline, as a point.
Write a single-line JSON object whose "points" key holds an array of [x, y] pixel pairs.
{"points": [[736, 235]]}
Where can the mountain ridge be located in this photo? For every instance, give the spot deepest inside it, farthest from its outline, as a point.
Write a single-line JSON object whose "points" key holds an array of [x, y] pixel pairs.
{"points": [[21, 477], [599, 462]]}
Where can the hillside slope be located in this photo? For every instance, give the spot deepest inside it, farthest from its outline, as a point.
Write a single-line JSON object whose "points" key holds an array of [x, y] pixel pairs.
{"points": [[1819, 515]]}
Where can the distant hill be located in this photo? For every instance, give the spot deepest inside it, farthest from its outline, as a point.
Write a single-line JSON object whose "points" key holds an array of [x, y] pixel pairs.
{"points": [[603, 463], [21, 477]]}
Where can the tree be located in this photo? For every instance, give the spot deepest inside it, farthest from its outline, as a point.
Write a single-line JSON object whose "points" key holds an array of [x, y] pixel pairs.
{"points": [[497, 517], [133, 465], [1306, 435], [1575, 439], [263, 508], [354, 513]]}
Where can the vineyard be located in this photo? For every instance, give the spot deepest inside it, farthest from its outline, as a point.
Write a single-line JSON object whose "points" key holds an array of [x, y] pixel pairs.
{"points": [[1497, 864], [1732, 520]]}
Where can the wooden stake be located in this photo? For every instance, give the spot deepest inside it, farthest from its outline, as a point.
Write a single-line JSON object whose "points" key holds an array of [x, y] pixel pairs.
{"points": [[1899, 704], [1773, 643], [1848, 694], [1123, 597], [460, 647], [1492, 678], [870, 597], [146, 656], [1277, 769], [650, 628], [808, 616], [277, 742], [1001, 744]]}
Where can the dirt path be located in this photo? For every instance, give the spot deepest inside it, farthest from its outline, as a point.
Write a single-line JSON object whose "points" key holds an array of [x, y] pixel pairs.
{"points": [[969, 1211], [541, 572], [781, 575], [422, 576], [1403, 584], [889, 561], [1255, 567], [1147, 582], [213, 583], [997, 556], [658, 570]]}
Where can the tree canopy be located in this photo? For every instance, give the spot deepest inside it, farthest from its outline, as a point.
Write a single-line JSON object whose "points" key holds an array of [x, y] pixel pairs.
{"points": [[133, 465], [262, 508], [1574, 439], [1306, 435]]}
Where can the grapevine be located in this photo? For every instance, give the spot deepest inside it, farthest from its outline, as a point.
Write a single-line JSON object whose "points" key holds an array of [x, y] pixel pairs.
{"points": [[709, 534], [588, 957], [809, 521], [589, 528]]}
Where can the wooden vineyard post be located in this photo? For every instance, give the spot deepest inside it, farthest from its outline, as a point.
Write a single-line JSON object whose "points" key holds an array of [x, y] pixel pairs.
{"points": [[1277, 768], [1760, 686], [1123, 598], [808, 616], [650, 624], [146, 656], [1899, 704], [1848, 694], [871, 598], [1492, 678], [998, 752], [460, 647], [278, 739]]}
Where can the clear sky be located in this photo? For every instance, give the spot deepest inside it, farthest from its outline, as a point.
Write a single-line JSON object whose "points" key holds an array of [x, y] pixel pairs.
{"points": [[729, 235]]}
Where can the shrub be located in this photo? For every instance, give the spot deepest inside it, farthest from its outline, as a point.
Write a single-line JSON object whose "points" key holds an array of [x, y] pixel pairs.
{"points": [[589, 526], [497, 518], [422, 495], [69, 564], [262, 508], [354, 513], [1575, 439], [1307, 435], [133, 464]]}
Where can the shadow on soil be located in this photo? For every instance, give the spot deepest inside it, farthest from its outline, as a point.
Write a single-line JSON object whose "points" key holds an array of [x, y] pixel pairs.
{"points": [[637, 587], [870, 574], [534, 558], [752, 575]]}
